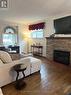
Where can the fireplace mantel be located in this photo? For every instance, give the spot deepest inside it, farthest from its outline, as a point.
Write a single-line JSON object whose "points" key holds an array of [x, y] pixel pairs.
{"points": [[58, 37]]}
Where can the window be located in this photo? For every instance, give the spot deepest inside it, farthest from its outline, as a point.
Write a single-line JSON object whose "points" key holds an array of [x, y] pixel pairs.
{"points": [[9, 37], [3, 3], [37, 33]]}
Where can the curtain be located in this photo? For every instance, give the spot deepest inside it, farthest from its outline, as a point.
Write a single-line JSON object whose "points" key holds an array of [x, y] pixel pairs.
{"points": [[37, 26]]}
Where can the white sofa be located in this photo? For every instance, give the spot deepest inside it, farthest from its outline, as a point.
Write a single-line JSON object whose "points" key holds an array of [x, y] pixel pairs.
{"points": [[8, 75]]}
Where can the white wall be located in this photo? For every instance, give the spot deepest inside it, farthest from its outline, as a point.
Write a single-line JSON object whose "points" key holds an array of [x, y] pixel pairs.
{"points": [[24, 29], [49, 29]]}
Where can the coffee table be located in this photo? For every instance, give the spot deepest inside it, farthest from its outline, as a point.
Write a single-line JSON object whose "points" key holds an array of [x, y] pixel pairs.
{"points": [[20, 82]]}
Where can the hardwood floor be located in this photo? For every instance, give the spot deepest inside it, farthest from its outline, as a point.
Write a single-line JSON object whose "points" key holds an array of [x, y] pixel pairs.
{"points": [[53, 79]]}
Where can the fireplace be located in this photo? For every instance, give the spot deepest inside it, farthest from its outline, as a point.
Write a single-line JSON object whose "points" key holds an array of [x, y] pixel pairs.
{"points": [[61, 56]]}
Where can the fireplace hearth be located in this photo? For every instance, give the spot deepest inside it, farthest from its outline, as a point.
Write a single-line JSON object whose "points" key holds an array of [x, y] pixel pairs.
{"points": [[61, 56]]}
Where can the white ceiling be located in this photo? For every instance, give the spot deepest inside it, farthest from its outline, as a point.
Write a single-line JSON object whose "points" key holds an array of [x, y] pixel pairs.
{"points": [[27, 11]]}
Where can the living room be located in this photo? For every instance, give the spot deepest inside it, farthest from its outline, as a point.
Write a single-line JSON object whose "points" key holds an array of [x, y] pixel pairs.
{"points": [[32, 32]]}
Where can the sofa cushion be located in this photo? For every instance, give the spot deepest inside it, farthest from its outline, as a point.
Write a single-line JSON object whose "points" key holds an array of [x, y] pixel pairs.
{"points": [[1, 62], [5, 57]]}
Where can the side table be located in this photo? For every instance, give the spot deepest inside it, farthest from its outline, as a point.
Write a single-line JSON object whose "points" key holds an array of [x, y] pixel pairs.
{"points": [[20, 82]]}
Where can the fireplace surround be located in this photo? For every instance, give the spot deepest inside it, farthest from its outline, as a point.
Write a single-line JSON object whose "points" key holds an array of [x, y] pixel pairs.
{"points": [[58, 43]]}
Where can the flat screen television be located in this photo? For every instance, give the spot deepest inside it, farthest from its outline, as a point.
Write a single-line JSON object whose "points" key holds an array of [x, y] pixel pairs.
{"points": [[63, 25]]}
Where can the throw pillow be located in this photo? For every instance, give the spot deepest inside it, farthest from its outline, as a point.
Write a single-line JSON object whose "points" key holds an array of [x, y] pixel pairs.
{"points": [[1, 62], [5, 57]]}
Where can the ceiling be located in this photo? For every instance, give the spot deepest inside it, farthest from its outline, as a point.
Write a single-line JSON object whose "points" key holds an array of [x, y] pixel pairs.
{"points": [[28, 11]]}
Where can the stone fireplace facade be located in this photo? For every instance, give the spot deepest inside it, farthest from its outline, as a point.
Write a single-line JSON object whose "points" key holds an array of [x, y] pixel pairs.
{"points": [[57, 43]]}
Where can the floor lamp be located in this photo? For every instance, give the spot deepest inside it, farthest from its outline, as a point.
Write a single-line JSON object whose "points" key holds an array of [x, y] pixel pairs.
{"points": [[26, 38]]}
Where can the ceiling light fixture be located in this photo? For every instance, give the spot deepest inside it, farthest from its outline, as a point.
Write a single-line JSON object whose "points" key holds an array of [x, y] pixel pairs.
{"points": [[3, 3]]}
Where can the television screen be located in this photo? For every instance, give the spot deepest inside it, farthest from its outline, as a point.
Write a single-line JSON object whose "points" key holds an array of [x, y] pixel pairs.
{"points": [[63, 25]]}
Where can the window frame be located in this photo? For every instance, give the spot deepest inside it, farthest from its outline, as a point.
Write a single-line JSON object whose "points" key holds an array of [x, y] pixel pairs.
{"points": [[13, 34]]}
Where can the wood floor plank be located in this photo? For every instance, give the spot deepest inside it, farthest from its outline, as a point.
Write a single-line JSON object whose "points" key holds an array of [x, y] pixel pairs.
{"points": [[53, 79]]}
